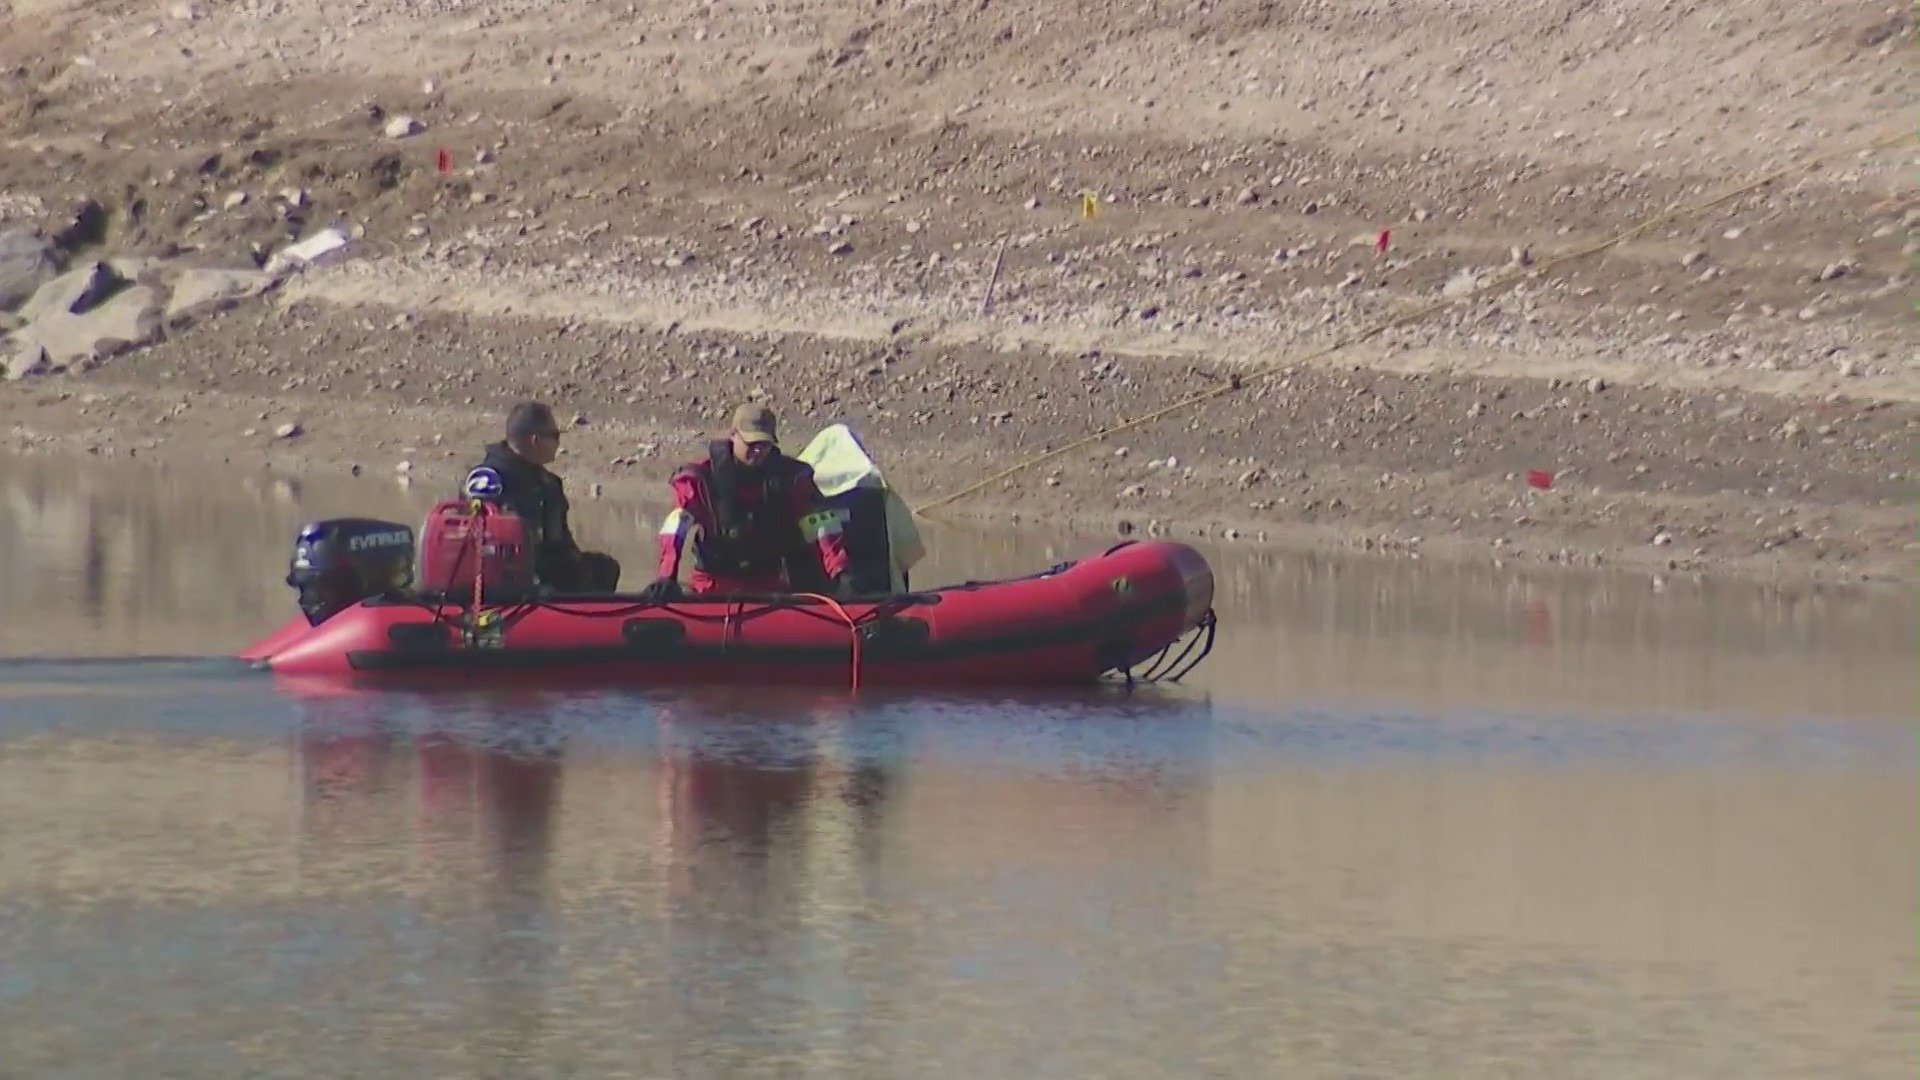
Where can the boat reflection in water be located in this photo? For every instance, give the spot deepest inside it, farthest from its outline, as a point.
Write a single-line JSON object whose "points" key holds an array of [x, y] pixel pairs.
{"points": [[462, 817], [728, 874]]}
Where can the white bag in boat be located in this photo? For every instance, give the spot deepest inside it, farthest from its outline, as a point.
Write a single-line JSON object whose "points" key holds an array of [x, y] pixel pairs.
{"points": [[841, 464]]}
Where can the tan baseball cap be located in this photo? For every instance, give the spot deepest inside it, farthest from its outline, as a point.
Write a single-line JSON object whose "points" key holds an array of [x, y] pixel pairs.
{"points": [[755, 424]]}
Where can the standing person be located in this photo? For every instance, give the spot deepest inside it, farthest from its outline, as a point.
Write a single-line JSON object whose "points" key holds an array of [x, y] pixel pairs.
{"points": [[753, 516], [538, 497]]}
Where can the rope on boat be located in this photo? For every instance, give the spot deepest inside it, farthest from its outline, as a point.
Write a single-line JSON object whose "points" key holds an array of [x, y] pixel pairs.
{"points": [[853, 630], [1500, 282]]}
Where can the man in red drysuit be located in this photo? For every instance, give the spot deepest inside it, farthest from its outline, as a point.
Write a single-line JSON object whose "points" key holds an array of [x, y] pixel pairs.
{"points": [[753, 516]]}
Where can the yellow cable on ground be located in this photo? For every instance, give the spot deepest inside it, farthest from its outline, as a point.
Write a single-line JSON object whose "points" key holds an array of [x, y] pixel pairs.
{"points": [[1377, 329]]}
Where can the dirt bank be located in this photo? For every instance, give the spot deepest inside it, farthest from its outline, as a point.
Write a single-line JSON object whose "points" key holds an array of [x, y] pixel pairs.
{"points": [[645, 214]]}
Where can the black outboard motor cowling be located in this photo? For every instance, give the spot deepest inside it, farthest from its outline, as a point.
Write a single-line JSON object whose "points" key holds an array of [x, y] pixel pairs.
{"points": [[340, 562]]}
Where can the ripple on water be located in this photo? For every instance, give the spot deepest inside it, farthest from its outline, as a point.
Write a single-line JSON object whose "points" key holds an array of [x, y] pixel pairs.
{"points": [[1062, 731]]}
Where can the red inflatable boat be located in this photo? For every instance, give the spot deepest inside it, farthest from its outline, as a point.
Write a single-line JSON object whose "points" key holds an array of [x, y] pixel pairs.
{"points": [[363, 619]]}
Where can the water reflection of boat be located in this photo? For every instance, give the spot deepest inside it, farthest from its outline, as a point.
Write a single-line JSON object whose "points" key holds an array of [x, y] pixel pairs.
{"points": [[457, 798], [727, 863], [433, 768]]}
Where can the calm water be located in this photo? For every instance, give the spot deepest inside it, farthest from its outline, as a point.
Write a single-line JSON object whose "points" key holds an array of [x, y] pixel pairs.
{"points": [[1405, 822]]}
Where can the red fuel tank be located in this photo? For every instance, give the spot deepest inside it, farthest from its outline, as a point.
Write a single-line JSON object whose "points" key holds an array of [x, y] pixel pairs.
{"points": [[462, 537]]}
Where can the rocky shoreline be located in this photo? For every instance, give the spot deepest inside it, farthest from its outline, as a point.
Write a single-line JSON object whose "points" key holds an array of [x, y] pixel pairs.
{"points": [[1812, 492], [207, 256]]}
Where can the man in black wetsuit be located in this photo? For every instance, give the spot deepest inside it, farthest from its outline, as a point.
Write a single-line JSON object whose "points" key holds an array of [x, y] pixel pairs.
{"points": [[538, 497]]}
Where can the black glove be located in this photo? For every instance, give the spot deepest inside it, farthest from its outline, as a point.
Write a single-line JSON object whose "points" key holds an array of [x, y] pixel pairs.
{"points": [[662, 590]]}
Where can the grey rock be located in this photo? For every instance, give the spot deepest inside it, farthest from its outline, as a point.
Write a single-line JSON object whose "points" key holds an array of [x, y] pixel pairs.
{"points": [[24, 357], [199, 292], [27, 262], [1462, 284], [73, 292], [127, 321], [135, 268]]}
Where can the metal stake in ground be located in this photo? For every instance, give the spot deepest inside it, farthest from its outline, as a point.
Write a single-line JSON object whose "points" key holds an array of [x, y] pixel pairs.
{"points": [[986, 302]]}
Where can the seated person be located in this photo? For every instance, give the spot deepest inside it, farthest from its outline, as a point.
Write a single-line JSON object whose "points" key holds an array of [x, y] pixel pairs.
{"points": [[538, 497], [752, 515]]}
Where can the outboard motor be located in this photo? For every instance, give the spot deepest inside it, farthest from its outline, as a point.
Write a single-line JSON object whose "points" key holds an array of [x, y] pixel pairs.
{"points": [[338, 563]]}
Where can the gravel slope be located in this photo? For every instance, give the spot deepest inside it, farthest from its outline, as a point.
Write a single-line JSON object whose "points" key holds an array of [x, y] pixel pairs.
{"points": [[649, 210]]}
